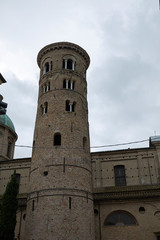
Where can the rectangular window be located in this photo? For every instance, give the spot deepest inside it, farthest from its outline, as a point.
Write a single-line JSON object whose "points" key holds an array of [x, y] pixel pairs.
{"points": [[120, 176], [9, 149], [70, 202], [32, 205]]}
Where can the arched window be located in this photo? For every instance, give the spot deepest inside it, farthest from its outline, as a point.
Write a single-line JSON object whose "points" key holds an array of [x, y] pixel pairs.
{"points": [[70, 107], [68, 84], [46, 87], [120, 218], [120, 176], [65, 83], [45, 108], [57, 139], [69, 64], [73, 107], [46, 68]]}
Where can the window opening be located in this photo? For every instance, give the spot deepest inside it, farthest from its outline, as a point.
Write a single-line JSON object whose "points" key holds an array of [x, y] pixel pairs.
{"points": [[41, 109], [72, 85], [67, 84], [119, 173], [69, 64], [70, 107], [64, 83], [141, 210], [73, 107], [9, 148], [67, 106], [120, 218], [45, 108], [46, 87], [45, 173], [46, 68], [57, 139], [95, 211], [70, 202], [64, 63], [33, 205]]}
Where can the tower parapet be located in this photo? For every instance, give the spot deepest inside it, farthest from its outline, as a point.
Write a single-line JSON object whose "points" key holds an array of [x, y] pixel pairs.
{"points": [[60, 202]]}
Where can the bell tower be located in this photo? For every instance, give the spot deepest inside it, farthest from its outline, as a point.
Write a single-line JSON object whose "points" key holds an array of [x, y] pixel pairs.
{"points": [[60, 201]]}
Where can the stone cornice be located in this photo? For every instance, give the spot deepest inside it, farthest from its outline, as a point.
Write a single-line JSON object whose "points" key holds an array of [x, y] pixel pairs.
{"points": [[61, 45], [15, 161], [128, 192], [10, 129]]}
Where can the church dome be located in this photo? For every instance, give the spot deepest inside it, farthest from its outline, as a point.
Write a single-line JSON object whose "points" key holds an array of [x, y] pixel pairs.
{"points": [[5, 120]]}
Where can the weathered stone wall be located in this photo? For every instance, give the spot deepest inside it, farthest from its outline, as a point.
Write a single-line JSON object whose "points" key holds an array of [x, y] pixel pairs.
{"points": [[60, 201]]}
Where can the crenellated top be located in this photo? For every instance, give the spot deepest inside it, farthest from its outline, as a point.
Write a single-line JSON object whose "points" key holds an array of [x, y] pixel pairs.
{"points": [[63, 45]]}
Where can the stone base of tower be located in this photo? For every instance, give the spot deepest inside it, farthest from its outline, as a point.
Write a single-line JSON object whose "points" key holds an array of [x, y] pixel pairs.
{"points": [[60, 217]]}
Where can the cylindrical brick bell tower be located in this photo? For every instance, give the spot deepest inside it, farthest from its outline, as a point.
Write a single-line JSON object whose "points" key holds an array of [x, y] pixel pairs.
{"points": [[60, 201]]}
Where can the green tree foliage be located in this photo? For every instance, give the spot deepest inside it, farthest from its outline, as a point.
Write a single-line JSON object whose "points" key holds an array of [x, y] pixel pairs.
{"points": [[8, 210]]}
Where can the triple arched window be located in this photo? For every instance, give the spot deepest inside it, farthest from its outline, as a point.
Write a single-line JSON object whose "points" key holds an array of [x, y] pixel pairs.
{"points": [[47, 67], [68, 84], [69, 63], [120, 218], [46, 87]]}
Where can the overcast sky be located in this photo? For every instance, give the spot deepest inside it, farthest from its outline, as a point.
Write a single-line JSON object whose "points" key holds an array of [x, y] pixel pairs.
{"points": [[122, 38]]}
